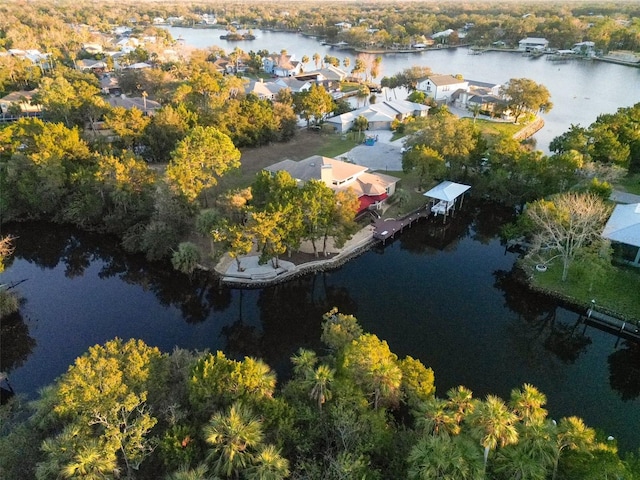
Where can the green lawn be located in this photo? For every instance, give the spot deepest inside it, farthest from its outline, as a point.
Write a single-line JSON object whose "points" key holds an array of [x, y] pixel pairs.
{"points": [[491, 129], [615, 290], [336, 145], [408, 183]]}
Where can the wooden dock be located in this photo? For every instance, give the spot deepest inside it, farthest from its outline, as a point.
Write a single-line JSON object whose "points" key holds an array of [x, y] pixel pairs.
{"points": [[611, 324], [388, 228]]}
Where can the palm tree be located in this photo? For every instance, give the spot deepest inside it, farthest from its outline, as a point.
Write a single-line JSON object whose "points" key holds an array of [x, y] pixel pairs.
{"points": [[233, 437], [91, 462], [494, 423], [201, 472], [527, 403], [303, 363], [316, 59], [444, 458], [572, 433], [360, 123], [321, 379], [460, 402], [346, 62], [436, 419], [475, 109], [268, 465]]}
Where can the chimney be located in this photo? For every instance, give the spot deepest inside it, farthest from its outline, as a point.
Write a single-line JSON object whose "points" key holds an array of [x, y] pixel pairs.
{"points": [[326, 174]]}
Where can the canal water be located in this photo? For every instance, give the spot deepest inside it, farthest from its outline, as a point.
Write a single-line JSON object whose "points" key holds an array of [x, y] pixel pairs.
{"points": [[580, 90], [442, 294]]}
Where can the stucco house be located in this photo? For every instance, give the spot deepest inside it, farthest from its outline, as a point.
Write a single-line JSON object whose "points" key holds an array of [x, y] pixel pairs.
{"points": [[441, 87], [372, 188], [530, 44], [379, 115]]}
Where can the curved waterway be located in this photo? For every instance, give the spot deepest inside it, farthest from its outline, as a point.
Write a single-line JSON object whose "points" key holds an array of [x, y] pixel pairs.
{"points": [[442, 294], [580, 90]]}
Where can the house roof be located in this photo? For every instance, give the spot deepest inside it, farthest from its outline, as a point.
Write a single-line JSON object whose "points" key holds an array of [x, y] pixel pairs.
{"points": [[19, 96], [262, 89], [447, 191], [624, 225], [310, 168], [380, 112], [534, 41], [441, 80], [134, 102]]}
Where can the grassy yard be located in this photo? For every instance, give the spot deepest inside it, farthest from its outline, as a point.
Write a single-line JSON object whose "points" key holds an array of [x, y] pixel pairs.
{"points": [[416, 199], [335, 144], [491, 129], [614, 291]]}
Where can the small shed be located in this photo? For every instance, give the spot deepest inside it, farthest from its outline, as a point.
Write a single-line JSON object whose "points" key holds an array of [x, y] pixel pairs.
{"points": [[443, 197], [623, 228]]}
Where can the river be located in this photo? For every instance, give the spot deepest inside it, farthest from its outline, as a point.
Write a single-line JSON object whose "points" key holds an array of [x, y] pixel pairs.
{"points": [[580, 90], [443, 295]]}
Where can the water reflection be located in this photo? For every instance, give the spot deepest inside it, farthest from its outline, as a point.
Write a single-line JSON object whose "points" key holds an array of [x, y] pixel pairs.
{"points": [[16, 344], [624, 371], [539, 325], [47, 246]]}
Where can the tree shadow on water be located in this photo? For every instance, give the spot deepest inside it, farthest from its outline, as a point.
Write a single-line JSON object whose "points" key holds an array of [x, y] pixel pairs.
{"points": [[624, 371]]}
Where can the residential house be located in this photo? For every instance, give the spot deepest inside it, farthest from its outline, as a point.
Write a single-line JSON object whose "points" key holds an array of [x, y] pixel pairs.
{"points": [[110, 85], [281, 65], [372, 188], [18, 104], [329, 77], [440, 37], [623, 229], [88, 65], [441, 87], [587, 49], [92, 48], [263, 90], [343, 25], [379, 115], [485, 95], [531, 44], [146, 106], [294, 84]]}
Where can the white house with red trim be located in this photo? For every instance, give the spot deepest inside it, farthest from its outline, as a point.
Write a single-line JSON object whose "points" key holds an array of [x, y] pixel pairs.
{"points": [[372, 189]]}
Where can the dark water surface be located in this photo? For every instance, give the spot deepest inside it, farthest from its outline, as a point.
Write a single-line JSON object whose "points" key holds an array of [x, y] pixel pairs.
{"points": [[440, 294]]}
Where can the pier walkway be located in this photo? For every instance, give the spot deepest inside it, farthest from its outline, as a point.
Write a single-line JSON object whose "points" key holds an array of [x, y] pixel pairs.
{"points": [[383, 229], [611, 324]]}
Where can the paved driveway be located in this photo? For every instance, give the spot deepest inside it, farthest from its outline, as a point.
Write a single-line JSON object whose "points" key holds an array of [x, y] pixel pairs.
{"points": [[383, 155]]}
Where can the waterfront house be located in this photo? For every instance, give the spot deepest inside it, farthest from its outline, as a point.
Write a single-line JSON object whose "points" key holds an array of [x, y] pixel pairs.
{"points": [[379, 115], [372, 189], [623, 229], [587, 49], [281, 65], [485, 95], [329, 77], [530, 44], [441, 87]]}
